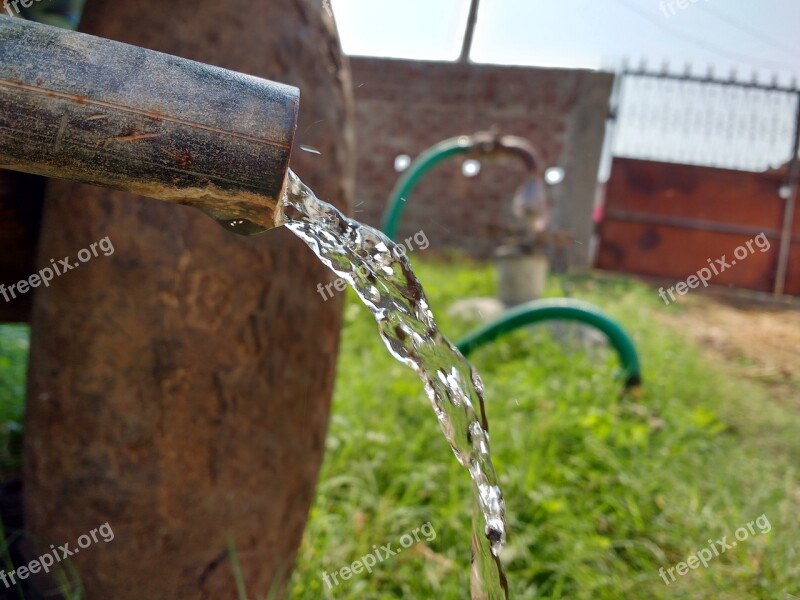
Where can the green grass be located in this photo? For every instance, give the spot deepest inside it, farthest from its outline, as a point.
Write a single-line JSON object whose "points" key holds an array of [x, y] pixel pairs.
{"points": [[602, 489], [13, 362]]}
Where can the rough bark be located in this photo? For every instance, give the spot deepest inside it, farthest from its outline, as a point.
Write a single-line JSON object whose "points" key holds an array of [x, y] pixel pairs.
{"points": [[180, 388]]}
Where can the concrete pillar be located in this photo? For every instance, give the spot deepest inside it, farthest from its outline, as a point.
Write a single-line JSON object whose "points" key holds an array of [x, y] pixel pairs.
{"points": [[581, 160]]}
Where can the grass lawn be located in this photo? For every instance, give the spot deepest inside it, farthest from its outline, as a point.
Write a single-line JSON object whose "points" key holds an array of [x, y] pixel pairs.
{"points": [[13, 362], [602, 489]]}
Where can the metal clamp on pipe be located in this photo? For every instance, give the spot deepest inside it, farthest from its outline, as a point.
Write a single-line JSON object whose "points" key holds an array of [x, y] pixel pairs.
{"points": [[79, 107]]}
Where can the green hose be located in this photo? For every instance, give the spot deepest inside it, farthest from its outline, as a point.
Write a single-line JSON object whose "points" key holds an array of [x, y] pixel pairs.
{"points": [[527, 314], [561, 309], [424, 163]]}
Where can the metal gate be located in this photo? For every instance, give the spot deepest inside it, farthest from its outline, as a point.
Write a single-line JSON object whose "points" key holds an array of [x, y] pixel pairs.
{"points": [[700, 167]]}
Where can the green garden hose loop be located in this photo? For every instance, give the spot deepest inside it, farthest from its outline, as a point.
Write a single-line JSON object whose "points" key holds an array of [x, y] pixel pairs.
{"points": [[532, 312], [560, 309]]}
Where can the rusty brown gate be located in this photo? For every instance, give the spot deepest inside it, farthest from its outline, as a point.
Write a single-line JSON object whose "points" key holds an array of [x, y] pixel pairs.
{"points": [[699, 168]]}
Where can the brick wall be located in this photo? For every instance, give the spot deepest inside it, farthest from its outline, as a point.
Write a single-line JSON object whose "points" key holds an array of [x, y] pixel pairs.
{"points": [[404, 107]]}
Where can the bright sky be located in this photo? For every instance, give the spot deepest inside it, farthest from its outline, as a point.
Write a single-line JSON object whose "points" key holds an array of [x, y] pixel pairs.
{"points": [[750, 35]]}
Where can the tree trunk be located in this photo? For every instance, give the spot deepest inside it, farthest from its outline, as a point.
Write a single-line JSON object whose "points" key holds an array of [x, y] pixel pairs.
{"points": [[180, 387]]}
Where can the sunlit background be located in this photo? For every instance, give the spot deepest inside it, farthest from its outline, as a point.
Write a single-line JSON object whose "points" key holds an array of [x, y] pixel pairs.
{"points": [[740, 34]]}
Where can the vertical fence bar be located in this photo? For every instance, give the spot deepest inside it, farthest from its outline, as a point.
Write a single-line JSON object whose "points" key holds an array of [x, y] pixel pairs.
{"points": [[788, 213]]}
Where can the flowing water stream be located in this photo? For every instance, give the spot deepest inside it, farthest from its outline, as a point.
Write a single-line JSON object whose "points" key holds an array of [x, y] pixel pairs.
{"points": [[383, 279]]}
